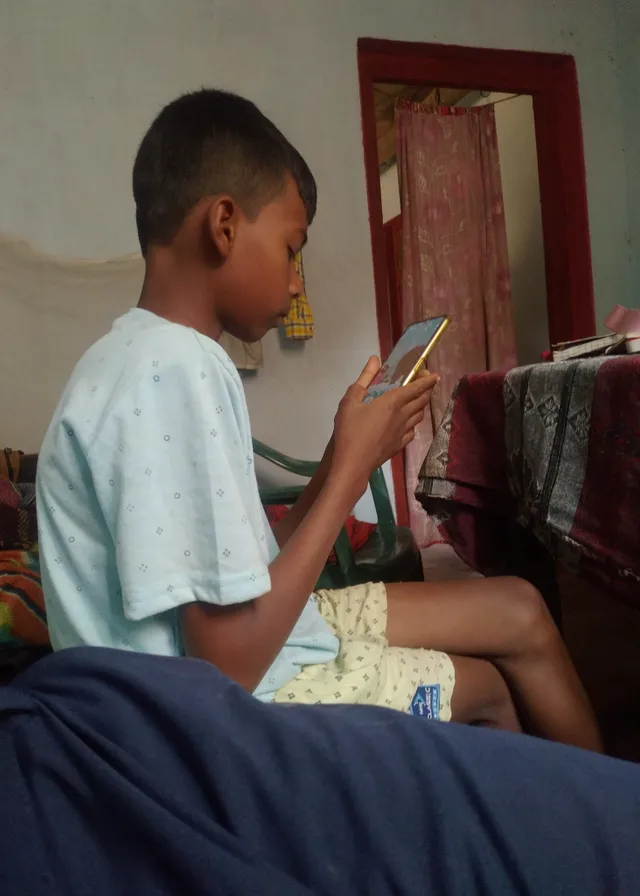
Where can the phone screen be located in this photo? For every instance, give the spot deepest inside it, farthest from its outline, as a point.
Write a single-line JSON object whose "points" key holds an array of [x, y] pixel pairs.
{"points": [[415, 343]]}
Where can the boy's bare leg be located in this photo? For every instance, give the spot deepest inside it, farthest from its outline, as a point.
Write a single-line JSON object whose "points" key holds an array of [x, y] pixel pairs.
{"points": [[504, 621], [481, 696]]}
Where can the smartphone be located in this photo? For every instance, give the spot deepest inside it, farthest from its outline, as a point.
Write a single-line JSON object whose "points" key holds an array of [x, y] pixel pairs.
{"points": [[408, 355]]}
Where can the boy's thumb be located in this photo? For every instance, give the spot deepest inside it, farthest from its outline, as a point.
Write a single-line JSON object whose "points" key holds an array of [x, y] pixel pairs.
{"points": [[369, 372]]}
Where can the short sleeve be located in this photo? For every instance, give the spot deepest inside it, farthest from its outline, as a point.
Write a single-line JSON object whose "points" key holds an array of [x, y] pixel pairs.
{"points": [[172, 466]]}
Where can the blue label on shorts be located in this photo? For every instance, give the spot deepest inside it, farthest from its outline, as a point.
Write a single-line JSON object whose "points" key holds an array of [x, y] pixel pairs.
{"points": [[426, 702]]}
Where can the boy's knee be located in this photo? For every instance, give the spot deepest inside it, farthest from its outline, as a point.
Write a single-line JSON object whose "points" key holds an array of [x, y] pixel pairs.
{"points": [[533, 627]]}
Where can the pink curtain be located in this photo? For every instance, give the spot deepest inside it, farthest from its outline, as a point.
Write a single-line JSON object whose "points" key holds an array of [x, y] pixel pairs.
{"points": [[454, 255]]}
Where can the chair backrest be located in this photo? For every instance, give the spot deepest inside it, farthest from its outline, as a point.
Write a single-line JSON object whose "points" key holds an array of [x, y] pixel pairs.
{"points": [[289, 494], [377, 482], [381, 500], [290, 464]]}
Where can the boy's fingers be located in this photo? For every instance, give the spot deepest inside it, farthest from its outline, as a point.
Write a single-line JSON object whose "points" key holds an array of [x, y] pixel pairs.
{"points": [[369, 372], [414, 409], [415, 420], [408, 438], [424, 380], [419, 387]]}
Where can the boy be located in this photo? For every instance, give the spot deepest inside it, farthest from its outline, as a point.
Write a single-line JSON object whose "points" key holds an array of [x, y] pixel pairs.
{"points": [[151, 530]]}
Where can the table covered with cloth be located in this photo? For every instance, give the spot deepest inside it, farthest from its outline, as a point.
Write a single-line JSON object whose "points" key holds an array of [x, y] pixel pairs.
{"points": [[542, 463]]}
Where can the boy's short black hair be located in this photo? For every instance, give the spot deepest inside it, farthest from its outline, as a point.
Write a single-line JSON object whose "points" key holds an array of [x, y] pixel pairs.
{"points": [[206, 143]]}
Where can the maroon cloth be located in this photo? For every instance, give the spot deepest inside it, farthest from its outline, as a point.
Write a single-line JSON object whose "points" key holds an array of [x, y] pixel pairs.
{"points": [[553, 448]]}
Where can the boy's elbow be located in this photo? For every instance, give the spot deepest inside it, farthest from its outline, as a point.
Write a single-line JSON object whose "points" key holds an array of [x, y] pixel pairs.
{"points": [[226, 638]]}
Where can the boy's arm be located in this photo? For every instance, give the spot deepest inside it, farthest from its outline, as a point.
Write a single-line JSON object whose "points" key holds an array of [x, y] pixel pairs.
{"points": [[285, 528], [243, 640]]}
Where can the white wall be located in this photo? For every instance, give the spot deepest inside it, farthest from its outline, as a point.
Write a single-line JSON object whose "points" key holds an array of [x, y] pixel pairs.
{"points": [[521, 195], [628, 56], [81, 79], [390, 192]]}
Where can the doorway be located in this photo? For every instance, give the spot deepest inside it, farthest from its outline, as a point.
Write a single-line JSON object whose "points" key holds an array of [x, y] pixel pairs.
{"points": [[520, 190], [535, 90]]}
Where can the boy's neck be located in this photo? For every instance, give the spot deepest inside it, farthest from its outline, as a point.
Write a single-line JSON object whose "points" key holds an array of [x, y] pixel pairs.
{"points": [[180, 293]]}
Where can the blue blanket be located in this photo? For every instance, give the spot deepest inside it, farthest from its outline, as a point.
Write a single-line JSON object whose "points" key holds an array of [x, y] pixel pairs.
{"points": [[130, 774]]}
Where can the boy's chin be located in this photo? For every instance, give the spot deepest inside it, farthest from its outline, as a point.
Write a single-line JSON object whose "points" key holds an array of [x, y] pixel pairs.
{"points": [[254, 333], [251, 334]]}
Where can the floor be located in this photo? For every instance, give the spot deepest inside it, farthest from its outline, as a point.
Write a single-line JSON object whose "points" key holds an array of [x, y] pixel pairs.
{"points": [[441, 563], [603, 636]]}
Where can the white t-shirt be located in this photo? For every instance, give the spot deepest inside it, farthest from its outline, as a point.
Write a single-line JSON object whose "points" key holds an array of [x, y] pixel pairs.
{"points": [[148, 498]]}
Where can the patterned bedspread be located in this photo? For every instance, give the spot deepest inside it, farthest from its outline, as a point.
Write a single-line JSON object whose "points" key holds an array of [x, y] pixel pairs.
{"points": [[22, 613], [554, 448]]}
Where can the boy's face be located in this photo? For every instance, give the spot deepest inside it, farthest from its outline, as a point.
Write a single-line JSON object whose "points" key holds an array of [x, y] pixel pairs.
{"points": [[258, 278]]}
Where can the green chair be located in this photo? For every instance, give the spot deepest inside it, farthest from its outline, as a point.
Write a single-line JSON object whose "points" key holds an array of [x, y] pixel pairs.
{"points": [[390, 554]]}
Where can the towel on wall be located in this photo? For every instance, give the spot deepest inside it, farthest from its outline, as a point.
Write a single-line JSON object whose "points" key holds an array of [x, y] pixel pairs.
{"points": [[51, 311], [299, 323]]}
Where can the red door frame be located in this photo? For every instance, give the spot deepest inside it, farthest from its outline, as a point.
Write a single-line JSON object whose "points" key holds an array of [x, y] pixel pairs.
{"points": [[551, 79], [392, 238]]}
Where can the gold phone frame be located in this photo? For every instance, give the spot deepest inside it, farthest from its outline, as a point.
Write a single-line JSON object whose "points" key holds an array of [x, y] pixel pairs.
{"points": [[428, 348]]}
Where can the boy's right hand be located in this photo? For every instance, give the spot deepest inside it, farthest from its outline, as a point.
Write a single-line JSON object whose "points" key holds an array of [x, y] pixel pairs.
{"points": [[367, 435]]}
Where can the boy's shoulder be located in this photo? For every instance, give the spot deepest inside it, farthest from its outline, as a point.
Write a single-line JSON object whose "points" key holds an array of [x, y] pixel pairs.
{"points": [[143, 357], [138, 345], [140, 335]]}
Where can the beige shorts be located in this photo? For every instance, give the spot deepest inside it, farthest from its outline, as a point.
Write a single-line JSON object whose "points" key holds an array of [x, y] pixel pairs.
{"points": [[366, 669]]}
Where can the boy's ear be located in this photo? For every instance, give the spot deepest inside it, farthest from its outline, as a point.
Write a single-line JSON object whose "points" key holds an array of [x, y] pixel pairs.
{"points": [[222, 219]]}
